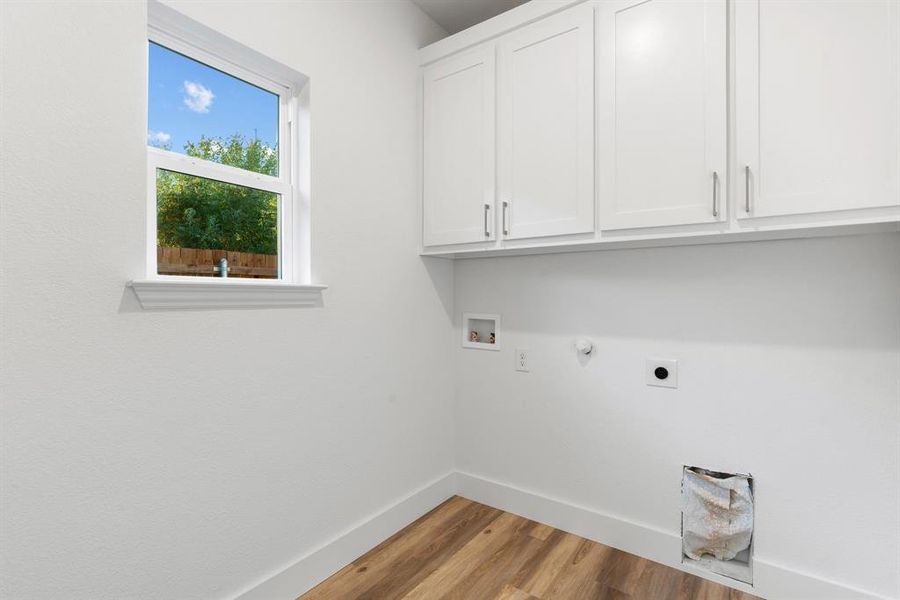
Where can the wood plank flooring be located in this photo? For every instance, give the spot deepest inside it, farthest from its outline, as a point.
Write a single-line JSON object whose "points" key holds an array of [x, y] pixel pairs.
{"points": [[463, 550]]}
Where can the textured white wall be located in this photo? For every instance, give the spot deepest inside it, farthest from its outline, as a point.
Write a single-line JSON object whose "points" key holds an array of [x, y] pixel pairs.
{"points": [[188, 454], [789, 368]]}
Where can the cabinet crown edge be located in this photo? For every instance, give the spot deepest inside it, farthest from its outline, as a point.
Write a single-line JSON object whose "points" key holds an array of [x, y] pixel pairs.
{"points": [[495, 27]]}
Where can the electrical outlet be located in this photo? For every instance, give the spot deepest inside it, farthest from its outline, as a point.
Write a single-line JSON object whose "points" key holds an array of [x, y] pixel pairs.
{"points": [[661, 372], [522, 360]]}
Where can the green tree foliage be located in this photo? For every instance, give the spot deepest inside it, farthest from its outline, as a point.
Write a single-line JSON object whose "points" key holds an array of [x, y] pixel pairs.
{"points": [[193, 212]]}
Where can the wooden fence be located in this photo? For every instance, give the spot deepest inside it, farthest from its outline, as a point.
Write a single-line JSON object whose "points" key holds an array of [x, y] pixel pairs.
{"points": [[202, 263]]}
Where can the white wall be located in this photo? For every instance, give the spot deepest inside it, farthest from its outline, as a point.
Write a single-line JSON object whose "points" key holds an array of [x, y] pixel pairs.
{"points": [[789, 369], [190, 454]]}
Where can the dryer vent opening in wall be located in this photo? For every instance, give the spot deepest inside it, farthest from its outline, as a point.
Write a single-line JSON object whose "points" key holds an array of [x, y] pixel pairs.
{"points": [[717, 522]]}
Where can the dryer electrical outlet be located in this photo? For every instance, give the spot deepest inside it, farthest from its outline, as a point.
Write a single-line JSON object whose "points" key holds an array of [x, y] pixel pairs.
{"points": [[661, 372]]}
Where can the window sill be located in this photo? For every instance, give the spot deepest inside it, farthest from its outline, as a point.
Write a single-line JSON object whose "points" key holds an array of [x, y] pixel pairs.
{"points": [[187, 293]]}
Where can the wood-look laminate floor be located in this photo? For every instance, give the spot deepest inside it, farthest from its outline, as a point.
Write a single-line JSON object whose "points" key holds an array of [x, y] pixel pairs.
{"points": [[463, 550]]}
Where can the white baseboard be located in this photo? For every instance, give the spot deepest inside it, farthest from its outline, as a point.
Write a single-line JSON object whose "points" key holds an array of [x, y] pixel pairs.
{"points": [[315, 567], [771, 581]]}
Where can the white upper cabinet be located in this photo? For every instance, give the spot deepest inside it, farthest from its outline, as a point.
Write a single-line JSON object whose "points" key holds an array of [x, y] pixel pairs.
{"points": [[620, 123], [661, 112], [459, 149], [817, 96], [546, 126]]}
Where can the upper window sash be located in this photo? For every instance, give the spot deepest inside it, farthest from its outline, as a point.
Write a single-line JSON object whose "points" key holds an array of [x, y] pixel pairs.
{"points": [[287, 104]]}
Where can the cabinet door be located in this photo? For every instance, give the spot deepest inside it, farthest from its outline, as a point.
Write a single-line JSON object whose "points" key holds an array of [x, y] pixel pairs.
{"points": [[817, 105], [459, 149], [545, 126], [661, 112]]}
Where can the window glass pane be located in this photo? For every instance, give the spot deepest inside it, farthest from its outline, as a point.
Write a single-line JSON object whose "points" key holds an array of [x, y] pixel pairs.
{"points": [[200, 221], [200, 111]]}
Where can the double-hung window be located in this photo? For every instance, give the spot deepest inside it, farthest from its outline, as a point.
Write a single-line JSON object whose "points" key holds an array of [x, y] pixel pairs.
{"points": [[227, 148]]}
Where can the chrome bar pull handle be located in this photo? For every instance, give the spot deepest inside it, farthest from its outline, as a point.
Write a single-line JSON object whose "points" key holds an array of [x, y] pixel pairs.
{"points": [[715, 194], [505, 210], [747, 188], [487, 231]]}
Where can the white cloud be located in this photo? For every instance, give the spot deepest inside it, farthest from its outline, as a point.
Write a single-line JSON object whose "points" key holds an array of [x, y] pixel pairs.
{"points": [[158, 137], [197, 96]]}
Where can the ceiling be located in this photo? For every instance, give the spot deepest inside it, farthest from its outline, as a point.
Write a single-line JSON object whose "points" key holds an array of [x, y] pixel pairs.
{"points": [[456, 15]]}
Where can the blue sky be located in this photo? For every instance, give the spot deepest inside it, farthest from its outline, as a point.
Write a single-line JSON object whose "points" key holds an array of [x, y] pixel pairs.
{"points": [[189, 99]]}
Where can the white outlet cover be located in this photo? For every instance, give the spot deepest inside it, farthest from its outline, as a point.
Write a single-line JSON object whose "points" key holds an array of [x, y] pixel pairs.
{"points": [[522, 360], [671, 367]]}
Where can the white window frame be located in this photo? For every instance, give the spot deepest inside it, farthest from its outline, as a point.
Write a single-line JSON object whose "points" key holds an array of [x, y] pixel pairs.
{"points": [[176, 32]]}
